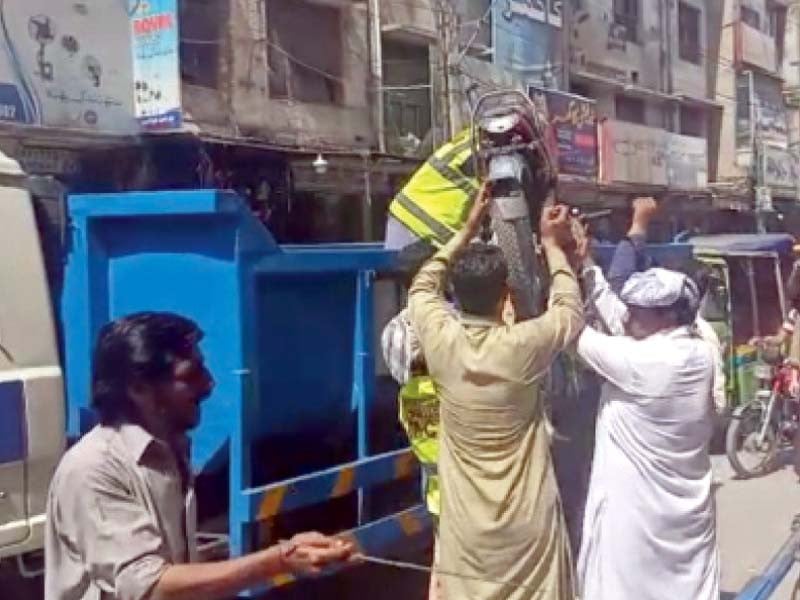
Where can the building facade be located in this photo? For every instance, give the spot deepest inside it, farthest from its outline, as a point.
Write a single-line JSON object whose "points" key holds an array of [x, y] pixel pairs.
{"points": [[755, 148], [646, 64], [317, 110]]}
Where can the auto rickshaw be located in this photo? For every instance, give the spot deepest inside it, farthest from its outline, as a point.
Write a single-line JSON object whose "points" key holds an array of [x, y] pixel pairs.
{"points": [[746, 299]]}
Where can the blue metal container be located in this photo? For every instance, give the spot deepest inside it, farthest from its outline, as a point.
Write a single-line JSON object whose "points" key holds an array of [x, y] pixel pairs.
{"points": [[289, 338]]}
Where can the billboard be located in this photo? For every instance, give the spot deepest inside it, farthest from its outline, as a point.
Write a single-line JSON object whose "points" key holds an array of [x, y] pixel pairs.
{"points": [[544, 11], [156, 72], [687, 161], [526, 35], [71, 64], [760, 110], [638, 154], [573, 126]]}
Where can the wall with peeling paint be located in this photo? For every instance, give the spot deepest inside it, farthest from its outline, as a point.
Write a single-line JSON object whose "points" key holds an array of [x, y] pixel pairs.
{"points": [[242, 104], [66, 65], [598, 45]]}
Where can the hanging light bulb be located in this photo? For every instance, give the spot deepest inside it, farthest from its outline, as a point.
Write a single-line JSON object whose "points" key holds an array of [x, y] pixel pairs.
{"points": [[320, 164]]}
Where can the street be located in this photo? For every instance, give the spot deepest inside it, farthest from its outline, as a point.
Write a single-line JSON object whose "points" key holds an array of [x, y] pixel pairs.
{"points": [[754, 517]]}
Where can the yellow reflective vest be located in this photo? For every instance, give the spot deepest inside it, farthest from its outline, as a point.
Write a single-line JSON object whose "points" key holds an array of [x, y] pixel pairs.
{"points": [[419, 414], [436, 200]]}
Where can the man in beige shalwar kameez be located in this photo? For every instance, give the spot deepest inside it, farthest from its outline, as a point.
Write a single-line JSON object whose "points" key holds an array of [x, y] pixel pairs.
{"points": [[501, 517]]}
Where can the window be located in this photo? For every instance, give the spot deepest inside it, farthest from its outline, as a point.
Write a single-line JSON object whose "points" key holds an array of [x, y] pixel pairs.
{"points": [[406, 70], [750, 17], [629, 109], [693, 121], [773, 20], [304, 43], [201, 32], [689, 33], [626, 17]]}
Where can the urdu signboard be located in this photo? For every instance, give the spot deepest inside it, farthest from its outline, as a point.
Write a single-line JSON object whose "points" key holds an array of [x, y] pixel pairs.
{"points": [[573, 126], [638, 154]]}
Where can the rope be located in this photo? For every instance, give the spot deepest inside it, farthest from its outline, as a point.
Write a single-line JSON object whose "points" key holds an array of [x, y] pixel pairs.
{"points": [[399, 564]]}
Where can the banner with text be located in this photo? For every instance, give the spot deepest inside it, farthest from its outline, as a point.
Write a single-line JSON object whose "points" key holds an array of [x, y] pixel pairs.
{"points": [[573, 126], [526, 37], [638, 154], [156, 71]]}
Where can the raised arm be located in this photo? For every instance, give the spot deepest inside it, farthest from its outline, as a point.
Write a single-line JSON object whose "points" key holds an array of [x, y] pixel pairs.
{"points": [[600, 298], [427, 306], [544, 337], [600, 302], [630, 254]]}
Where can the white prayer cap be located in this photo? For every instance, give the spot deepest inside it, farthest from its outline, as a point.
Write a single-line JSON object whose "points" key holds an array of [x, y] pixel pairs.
{"points": [[659, 288], [401, 348]]}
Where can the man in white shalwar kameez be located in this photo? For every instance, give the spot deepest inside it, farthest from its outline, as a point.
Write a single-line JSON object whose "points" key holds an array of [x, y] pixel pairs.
{"points": [[649, 528]]}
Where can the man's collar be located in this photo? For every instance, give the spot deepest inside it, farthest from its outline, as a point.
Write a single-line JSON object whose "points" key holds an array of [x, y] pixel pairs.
{"points": [[136, 438], [477, 320]]}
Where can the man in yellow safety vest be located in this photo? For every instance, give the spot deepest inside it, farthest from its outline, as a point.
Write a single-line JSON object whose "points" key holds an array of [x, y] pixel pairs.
{"points": [[434, 203]]}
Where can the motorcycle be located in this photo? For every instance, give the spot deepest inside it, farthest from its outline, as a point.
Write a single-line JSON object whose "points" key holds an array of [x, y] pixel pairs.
{"points": [[510, 152], [759, 429]]}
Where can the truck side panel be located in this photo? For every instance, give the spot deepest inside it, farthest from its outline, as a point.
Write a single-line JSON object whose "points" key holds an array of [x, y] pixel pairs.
{"points": [[290, 338]]}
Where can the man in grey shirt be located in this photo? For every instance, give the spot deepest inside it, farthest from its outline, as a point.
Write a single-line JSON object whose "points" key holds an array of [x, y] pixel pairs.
{"points": [[120, 514]]}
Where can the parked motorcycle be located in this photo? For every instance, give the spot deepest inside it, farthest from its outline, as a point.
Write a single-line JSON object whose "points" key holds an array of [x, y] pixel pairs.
{"points": [[510, 152], [761, 428]]}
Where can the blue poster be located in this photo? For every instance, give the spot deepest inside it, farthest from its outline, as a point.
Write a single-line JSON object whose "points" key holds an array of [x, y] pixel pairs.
{"points": [[156, 70], [11, 106], [526, 35]]}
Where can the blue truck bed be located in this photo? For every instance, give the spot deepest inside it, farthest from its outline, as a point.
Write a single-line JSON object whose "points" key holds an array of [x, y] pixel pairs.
{"points": [[290, 337]]}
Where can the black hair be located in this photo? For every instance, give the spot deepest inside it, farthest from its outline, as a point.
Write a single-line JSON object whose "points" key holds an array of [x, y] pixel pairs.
{"points": [[141, 347], [411, 258], [478, 276]]}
